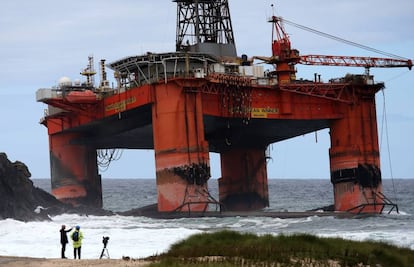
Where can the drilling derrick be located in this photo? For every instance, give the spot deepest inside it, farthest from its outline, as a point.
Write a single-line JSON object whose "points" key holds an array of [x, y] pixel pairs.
{"points": [[203, 98], [205, 26]]}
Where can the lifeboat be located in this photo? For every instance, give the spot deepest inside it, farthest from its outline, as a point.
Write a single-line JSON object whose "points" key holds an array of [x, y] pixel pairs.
{"points": [[82, 97]]}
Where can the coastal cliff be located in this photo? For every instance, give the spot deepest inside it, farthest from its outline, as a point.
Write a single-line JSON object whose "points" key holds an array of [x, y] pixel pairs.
{"points": [[20, 199]]}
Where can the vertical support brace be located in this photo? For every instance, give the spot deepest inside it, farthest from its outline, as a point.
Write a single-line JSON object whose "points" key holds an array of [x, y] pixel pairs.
{"points": [[243, 185], [181, 153], [74, 171], [355, 160]]}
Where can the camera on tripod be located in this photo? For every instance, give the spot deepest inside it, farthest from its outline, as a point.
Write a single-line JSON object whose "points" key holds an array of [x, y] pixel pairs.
{"points": [[105, 240], [105, 252]]}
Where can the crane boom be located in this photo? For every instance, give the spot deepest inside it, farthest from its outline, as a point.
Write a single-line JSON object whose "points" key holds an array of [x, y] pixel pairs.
{"points": [[353, 61], [284, 57]]}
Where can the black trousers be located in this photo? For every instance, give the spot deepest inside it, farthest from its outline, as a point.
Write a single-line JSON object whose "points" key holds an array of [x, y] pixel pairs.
{"points": [[63, 250], [77, 251]]}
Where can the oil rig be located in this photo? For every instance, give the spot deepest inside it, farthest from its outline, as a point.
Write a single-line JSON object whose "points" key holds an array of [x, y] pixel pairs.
{"points": [[205, 98]]}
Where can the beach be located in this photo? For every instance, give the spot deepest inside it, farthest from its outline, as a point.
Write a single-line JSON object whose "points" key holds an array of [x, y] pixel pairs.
{"points": [[140, 237], [42, 262]]}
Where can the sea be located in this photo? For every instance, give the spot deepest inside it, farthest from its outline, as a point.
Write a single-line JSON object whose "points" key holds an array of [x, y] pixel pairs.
{"points": [[139, 237]]}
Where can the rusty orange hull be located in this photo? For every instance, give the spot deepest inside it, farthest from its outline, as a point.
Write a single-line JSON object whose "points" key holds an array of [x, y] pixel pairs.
{"points": [[181, 152], [176, 194], [185, 119], [355, 198], [74, 171], [243, 183], [354, 157]]}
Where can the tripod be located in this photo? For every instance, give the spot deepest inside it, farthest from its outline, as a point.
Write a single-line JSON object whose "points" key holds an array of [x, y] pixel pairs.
{"points": [[104, 252]]}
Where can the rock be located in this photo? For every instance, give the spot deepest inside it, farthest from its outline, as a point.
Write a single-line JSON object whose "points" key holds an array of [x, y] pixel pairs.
{"points": [[21, 200]]}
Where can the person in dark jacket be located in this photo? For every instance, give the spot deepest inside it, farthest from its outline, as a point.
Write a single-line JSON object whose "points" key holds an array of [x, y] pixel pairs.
{"points": [[64, 239]]}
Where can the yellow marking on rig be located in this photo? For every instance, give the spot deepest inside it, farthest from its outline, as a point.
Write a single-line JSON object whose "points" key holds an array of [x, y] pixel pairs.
{"points": [[263, 112], [121, 105]]}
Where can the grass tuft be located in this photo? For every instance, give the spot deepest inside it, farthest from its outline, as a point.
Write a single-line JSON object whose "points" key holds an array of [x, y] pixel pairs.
{"points": [[229, 248]]}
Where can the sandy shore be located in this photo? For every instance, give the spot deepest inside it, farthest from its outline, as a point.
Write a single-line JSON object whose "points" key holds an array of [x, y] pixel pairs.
{"points": [[35, 262]]}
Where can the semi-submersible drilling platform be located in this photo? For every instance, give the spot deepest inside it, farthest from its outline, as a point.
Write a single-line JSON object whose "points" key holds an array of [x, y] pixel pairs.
{"points": [[204, 98]]}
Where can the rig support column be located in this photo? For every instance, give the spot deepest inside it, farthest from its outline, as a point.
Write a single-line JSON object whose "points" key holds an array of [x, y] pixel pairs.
{"points": [[181, 152], [354, 158], [243, 185], [74, 171]]}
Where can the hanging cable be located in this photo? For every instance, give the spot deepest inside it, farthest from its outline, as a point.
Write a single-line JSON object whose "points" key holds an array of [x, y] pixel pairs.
{"points": [[385, 123], [398, 76], [333, 37], [106, 156]]}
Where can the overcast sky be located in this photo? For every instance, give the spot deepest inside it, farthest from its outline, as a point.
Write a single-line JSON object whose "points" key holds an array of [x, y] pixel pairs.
{"points": [[43, 40]]}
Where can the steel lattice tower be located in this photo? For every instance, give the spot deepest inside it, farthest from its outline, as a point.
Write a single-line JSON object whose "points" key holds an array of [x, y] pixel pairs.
{"points": [[205, 26]]}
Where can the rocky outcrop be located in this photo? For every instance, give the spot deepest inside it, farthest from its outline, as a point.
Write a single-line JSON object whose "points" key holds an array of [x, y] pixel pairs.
{"points": [[21, 200]]}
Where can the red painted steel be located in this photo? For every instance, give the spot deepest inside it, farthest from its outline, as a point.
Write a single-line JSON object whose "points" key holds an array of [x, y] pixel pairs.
{"points": [[225, 112], [352, 61], [74, 171], [180, 145], [354, 153], [354, 156], [283, 55], [243, 182], [82, 97], [181, 149], [127, 100], [181, 152]]}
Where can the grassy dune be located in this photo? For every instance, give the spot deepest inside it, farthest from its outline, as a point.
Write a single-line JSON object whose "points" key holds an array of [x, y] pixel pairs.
{"points": [[227, 248]]}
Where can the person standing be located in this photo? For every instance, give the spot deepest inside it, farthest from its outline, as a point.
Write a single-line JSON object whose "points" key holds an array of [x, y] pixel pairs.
{"points": [[64, 239], [77, 237]]}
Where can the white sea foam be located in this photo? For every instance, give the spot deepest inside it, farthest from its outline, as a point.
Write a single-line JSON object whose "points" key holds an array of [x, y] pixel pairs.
{"points": [[141, 237], [134, 237]]}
